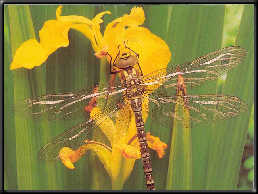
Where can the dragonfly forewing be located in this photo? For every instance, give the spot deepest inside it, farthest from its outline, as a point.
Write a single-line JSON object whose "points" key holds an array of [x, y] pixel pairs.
{"points": [[60, 106], [208, 67]]}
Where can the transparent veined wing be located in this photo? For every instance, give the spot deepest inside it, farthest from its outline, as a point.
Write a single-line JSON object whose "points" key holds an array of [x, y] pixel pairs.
{"points": [[201, 107], [75, 136], [59, 106], [207, 67], [72, 137]]}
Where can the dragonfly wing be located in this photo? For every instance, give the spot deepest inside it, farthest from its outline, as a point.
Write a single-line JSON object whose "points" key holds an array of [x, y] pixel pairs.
{"points": [[59, 106], [207, 67], [72, 138], [201, 107], [75, 136]]}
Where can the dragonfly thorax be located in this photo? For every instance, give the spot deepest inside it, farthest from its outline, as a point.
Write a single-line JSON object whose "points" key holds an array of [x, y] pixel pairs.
{"points": [[132, 81]]}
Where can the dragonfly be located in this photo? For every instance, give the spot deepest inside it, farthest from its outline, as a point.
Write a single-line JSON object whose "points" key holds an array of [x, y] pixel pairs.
{"points": [[133, 87]]}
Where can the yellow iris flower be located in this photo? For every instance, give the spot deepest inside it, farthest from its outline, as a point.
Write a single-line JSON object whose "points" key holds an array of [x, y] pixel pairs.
{"points": [[153, 51], [118, 158], [154, 54]]}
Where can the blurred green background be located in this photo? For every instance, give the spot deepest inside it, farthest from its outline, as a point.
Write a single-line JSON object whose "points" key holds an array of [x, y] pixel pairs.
{"points": [[222, 152]]}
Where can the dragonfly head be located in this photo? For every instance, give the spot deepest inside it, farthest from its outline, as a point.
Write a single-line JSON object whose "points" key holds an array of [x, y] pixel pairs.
{"points": [[126, 61], [126, 57]]}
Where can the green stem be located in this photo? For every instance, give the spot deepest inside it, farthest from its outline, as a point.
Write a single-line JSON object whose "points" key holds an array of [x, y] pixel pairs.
{"points": [[118, 182]]}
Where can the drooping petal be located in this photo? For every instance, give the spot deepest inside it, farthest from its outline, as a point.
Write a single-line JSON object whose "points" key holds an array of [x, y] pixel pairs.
{"points": [[153, 142], [156, 144], [69, 156], [54, 35], [30, 54]]}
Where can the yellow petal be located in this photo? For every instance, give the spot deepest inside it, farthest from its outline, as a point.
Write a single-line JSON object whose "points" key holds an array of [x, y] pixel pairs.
{"points": [[97, 19], [65, 155], [128, 167], [104, 122], [121, 166], [75, 19], [154, 53], [58, 11], [157, 145], [89, 33], [103, 152], [153, 142], [135, 18], [130, 152], [54, 35], [122, 124], [69, 156], [30, 54], [90, 28], [114, 32], [101, 53]]}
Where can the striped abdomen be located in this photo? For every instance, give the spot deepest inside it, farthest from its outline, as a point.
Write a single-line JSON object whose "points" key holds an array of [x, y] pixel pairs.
{"points": [[136, 105]]}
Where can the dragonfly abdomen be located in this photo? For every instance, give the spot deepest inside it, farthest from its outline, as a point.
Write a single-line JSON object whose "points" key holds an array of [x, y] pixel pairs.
{"points": [[136, 105]]}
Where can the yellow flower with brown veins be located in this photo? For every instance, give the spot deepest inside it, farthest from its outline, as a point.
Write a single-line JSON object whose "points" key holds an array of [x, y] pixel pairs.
{"points": [[118, 158]]}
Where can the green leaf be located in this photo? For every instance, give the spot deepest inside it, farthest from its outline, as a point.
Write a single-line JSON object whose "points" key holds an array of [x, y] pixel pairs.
{"points": [[251, 124], [179, 175], [24, 140], [249, 163], [226, 146], [251, 175], [10, 169]]}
